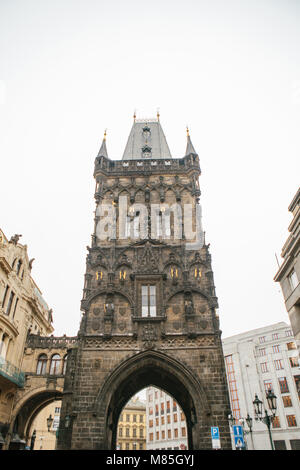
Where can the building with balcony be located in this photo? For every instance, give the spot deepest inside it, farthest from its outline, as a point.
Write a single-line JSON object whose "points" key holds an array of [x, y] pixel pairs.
{"points": [[166, 424], [288, 274], [22, 311], [131, 432], [257, 361]]}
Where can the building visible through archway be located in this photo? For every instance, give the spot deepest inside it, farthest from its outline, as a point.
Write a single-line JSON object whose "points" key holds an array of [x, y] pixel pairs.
{"points": [[149, 303]]}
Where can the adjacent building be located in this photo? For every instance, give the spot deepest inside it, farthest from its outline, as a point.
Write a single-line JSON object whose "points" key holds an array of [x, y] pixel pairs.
{"points": [[259, 360], [44, 438], [132, 426], [166, 424], [288, 274], [22, 311]]}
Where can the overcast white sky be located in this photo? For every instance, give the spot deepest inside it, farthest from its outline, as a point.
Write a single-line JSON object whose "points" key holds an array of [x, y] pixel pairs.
{"points": [[230, 70]]}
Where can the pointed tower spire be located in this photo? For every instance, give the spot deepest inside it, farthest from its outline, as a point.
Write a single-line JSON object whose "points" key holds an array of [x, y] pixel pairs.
{"points": [[103, 150], [189, 146]]}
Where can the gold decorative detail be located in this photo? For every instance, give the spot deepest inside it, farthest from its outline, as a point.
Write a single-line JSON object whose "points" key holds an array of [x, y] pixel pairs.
{"points": [[198, 273], [174, 272]]}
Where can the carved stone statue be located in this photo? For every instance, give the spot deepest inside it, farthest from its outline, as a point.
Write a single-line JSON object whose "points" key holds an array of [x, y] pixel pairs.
{"points": [[30, 263], [15, 239], [188, 307], [109, 309], [50, 317]]}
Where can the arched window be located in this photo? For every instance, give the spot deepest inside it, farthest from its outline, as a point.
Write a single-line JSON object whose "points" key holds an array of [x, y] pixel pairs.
{"points": [[55, 364], [65, 364], [41, 364]]}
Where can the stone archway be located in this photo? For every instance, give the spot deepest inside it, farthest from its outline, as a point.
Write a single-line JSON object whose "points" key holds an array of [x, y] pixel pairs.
{"points": [[153, 368], [28, 408]]}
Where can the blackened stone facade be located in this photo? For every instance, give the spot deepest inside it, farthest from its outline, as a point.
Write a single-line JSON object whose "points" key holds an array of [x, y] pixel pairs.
{"points": [[172, 339]]}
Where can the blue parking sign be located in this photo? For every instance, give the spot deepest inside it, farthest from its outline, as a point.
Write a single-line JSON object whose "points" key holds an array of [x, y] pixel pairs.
{"points": [[215, 437]]}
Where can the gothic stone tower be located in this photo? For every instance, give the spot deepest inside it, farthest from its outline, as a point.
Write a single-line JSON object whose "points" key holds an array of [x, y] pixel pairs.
{"points": [[149, 302]]}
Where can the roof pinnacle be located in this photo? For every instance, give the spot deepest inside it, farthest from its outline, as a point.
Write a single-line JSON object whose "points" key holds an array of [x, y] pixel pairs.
{"points": [[189, 146], [103, 150]]}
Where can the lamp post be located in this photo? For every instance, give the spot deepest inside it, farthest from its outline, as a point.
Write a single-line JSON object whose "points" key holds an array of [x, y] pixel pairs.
{"points": [[249, 421], [33, 438], [267, 419], [49, 422]]}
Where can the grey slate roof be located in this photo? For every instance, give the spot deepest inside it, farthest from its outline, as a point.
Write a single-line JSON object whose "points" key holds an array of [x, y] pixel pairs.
{"points": [[189, 147], [146, 140], [103, 150]]}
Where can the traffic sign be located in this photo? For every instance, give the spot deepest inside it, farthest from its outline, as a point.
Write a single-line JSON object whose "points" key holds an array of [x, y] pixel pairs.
{"points": [[238, 435], [238, 431], [215, 437], [239, 442]]}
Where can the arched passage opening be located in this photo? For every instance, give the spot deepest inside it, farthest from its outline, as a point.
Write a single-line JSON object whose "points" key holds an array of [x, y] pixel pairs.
{"points": [[152, 368], [152, 420], [27, 411]]}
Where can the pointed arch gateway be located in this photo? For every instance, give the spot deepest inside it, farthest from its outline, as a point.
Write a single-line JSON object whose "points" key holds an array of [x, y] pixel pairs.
{"points": [[153, 368]]}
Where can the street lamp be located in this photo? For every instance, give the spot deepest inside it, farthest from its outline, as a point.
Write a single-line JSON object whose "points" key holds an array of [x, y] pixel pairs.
{"points": [[249, 422], [33, 438], [272, 402], [67, 421], [268, 418], [257, 407], [49, 422]]}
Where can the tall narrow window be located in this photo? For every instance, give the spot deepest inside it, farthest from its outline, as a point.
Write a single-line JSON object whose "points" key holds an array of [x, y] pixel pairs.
{"points": [[294, 362], [65, 364], [293, 280], [15, 309], [42, 364], [235, 406], [55, 365], [10, 301], [5, 295], [283, 385], [148, 301], [163, 224], [278, 364]]}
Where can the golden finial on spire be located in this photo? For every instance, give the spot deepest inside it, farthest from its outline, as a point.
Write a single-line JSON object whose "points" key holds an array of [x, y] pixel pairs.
{"points": [[187, 131], [157, 114], [105, 132], [134, 115]]}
